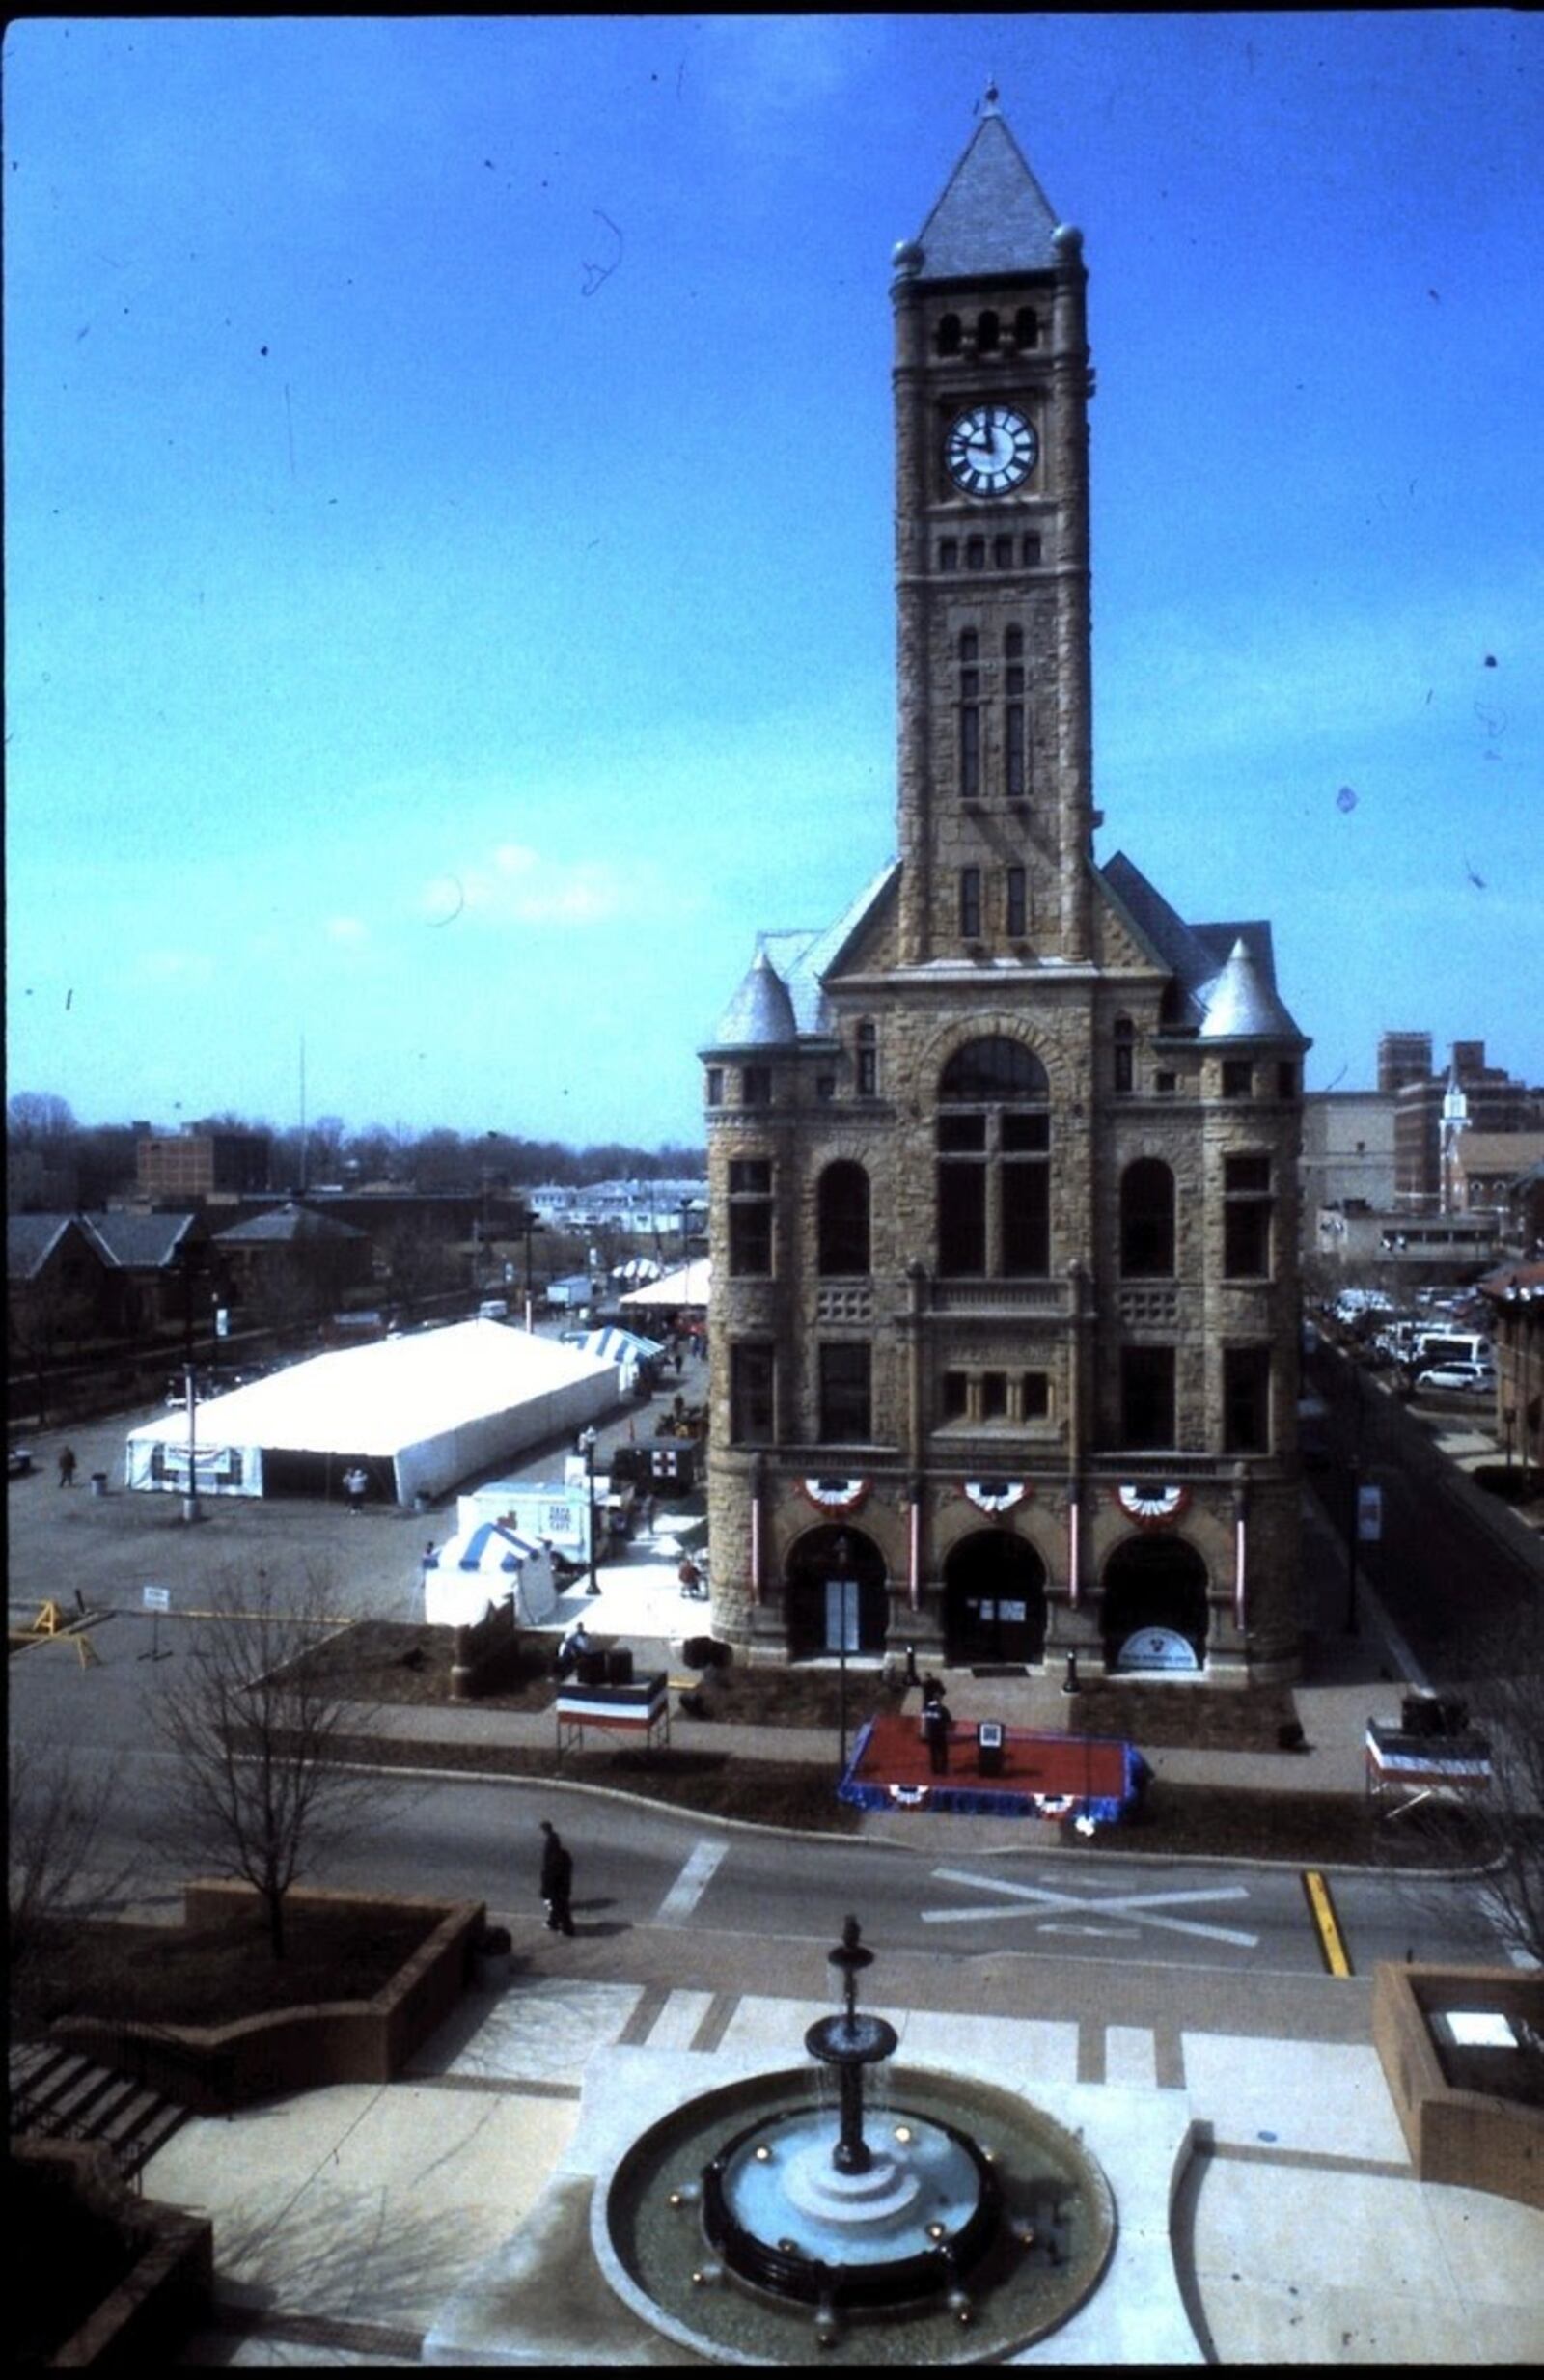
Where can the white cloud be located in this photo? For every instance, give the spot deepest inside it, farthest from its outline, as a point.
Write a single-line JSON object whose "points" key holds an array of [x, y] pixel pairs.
{"points": [[177, 967], [348, 929]]}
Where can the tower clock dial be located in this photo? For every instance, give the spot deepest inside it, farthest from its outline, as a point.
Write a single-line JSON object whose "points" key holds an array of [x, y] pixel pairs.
{"points": [[990, 450]]}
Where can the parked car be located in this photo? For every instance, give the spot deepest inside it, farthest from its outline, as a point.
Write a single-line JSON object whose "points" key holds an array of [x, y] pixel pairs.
{"points": [[1479, 1378], [19, 1463]]}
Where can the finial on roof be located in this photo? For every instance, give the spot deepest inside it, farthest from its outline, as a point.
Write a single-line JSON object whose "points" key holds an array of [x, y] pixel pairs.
{"points": [[989, 103]]}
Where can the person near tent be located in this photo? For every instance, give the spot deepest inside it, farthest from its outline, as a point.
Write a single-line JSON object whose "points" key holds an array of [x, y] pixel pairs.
{"points": [[557, 1880], [936, 1724], [577, 1640]]}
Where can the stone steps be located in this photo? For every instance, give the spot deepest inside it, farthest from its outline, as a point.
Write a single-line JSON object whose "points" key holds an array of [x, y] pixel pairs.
{"points": [[57, 2094]]}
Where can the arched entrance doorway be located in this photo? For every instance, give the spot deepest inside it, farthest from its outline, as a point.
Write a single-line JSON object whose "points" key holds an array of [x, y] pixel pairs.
{"points": [[994, 1600], [1154, 1590], [835, 1587]]}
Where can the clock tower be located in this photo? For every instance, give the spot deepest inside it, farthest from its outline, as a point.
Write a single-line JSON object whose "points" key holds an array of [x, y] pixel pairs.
{"points": [[1003, 1157], [991, 389]]}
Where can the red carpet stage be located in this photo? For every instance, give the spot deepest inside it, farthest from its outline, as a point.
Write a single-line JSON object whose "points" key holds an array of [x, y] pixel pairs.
{"points": [[996, 1771]]}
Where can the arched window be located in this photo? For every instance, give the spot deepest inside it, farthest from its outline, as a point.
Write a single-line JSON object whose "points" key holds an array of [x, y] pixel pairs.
{"points": [[988, 332], [842, 1219], [1146, 1220], [993, 1138], [1027, 327], [949, 334]]}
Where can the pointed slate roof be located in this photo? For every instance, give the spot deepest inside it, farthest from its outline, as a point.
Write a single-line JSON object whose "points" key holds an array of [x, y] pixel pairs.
{"points": [[1223, 974], [761, 1014], [1241, 1006], [993, 218]]}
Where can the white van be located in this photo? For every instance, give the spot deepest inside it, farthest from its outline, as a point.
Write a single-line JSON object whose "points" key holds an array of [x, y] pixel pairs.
{"points": [[493, 1310], [1433, 1348]]}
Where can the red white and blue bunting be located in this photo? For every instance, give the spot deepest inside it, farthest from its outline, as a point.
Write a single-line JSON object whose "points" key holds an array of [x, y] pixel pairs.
{"points": [[997, 1496], [1151, 1506], [836, 1496]]}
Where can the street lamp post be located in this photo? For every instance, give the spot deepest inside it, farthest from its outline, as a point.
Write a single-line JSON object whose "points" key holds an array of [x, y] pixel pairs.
{"points": [[588, 1443], [841, 1559], [1353, 1516]]}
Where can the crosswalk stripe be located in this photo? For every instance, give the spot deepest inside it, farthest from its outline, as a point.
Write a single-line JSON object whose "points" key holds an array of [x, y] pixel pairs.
{"points": [[692, 1883]]}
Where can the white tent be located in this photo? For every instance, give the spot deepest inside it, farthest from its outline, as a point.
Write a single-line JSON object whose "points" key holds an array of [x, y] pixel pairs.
{"points": [[689, 1287], [417, 1414], [483, 1566]]}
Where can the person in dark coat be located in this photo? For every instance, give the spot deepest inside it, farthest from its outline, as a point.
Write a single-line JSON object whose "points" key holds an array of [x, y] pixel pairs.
{"points": [[557, 1880], [67, 1466], [936, 1724]]}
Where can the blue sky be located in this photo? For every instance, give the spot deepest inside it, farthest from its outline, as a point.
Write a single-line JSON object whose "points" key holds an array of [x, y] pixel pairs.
{"points": [[449, 496]]}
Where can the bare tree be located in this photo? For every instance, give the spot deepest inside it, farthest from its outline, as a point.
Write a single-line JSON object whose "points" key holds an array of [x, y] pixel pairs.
{"points": [[1501, 1832], [59, 1802], [254, 1729]]}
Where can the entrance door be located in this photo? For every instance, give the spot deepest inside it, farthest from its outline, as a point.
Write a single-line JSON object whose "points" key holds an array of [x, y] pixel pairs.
{"points": [[834, 1594], [1154, 1591], [994, 1601]]}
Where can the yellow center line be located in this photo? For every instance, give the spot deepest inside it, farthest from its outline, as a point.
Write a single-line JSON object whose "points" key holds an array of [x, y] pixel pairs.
{"points": [[1321, 1908]]}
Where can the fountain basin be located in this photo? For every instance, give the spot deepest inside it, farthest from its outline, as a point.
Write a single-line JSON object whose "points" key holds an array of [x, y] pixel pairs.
{"points": [[1048, 2247]]}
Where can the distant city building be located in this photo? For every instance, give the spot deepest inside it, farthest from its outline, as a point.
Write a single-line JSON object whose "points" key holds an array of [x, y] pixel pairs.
{"points": [[1348, 1161], [200, 1162], [1403, 1057], [1433, 1111]]}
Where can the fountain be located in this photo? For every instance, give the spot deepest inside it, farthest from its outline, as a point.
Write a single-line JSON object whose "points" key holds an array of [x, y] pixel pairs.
{"points": [[958, 2224]]}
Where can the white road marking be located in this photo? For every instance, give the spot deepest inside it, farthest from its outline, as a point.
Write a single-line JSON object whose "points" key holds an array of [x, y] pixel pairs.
{"points": [[1147, 1908], [691, 1884]]}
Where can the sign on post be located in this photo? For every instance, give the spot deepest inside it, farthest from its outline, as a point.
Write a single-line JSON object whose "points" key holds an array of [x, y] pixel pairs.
{"points": [[157, 1599]]}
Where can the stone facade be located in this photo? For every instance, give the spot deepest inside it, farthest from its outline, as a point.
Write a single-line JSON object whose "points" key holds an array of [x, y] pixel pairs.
{"points": [[1003, 1165]]}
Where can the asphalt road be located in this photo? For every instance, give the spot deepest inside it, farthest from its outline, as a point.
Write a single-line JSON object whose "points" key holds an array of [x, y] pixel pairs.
{"points": [[635, 1867]]}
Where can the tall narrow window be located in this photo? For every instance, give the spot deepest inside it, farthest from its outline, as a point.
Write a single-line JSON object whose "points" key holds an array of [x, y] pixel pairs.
{"points": [[1016, 907], [1015, 759], [841, 1202], [755, 1086], [988, 332], [1246, 1400], [868, 1049], [1146, 1220], [970, 903], [1247, 1203], [970, 716], [949, 334], [750, 1213], [844, 1393], [1124, 1042], [1027, 327], [993, 1138], [753, 1382], [1147, 1396]]}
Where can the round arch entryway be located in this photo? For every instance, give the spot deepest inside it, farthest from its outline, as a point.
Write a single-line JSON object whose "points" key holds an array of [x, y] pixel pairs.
{"points": [[835, 1578], [1155, 1585], [994, 1600]]}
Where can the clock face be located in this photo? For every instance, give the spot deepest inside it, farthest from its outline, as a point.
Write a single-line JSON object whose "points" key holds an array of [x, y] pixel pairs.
{"points": [[990, 450]]}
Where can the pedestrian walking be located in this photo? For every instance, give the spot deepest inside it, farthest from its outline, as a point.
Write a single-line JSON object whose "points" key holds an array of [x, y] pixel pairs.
{"points": [[557, 1880], [936, 1724], [355, 1482], [67, 1466]]}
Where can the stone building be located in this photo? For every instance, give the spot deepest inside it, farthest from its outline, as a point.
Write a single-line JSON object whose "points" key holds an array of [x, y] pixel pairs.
{"points": [[1002, 1162]]}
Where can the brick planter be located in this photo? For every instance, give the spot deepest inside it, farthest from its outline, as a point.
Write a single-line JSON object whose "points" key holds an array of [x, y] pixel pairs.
{"points": [[141, 2323], [214, 2068], [1479, 2138]]}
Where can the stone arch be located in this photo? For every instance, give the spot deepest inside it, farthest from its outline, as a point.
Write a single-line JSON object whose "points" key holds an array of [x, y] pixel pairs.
{"points": [[1154, 1580], [988, 1024], [994, 1600], [814, 1568]]}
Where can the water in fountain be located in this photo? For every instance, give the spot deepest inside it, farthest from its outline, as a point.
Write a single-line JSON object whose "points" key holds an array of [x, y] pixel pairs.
{"points": [[969, 2218]]}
